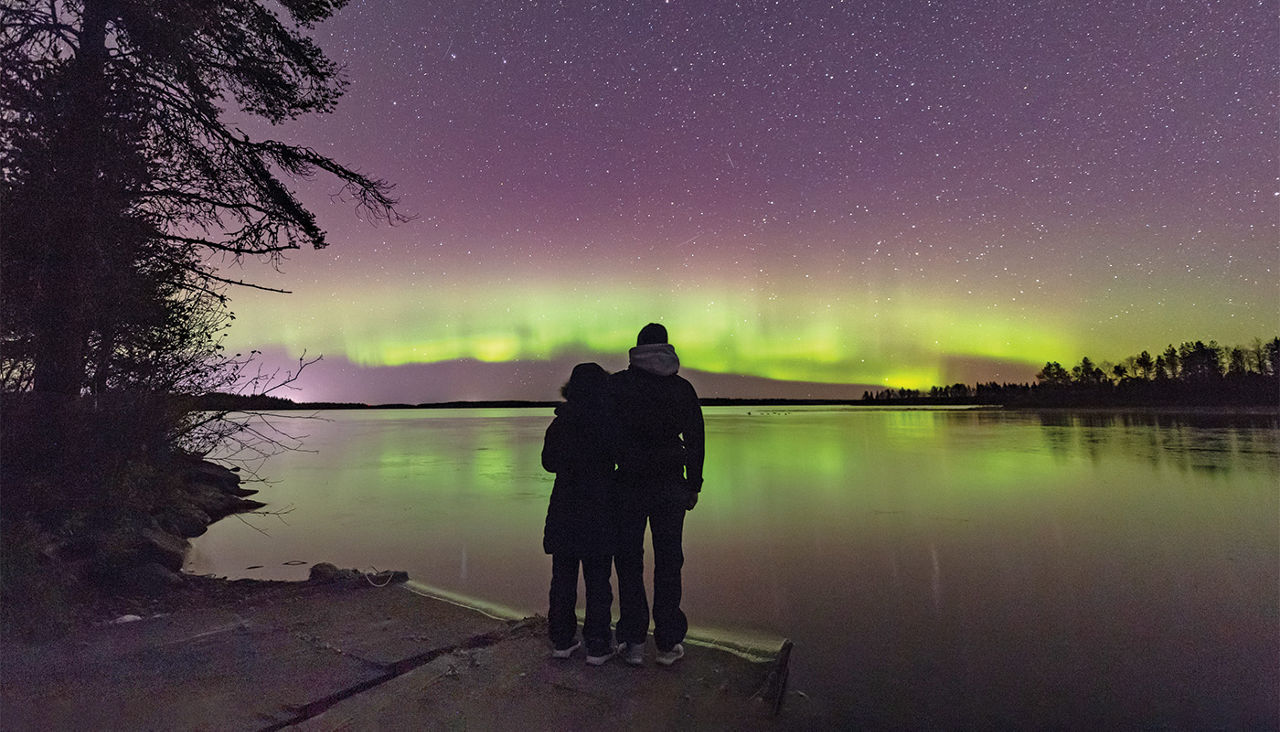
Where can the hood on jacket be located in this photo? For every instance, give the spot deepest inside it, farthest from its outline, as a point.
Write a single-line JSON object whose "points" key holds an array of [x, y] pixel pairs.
{"points": [[659, 359]]}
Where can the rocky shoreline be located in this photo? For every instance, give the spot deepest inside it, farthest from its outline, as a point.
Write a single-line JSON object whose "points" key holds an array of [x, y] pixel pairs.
{"points": [[147, 553], [126, 561], [213, 492]]}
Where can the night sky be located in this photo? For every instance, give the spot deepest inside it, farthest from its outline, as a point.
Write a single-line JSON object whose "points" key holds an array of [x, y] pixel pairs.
{"points": [[837, 193]]}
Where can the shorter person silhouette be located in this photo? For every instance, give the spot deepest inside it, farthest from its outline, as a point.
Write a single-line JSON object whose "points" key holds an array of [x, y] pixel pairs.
{"points": [[579, 449]]}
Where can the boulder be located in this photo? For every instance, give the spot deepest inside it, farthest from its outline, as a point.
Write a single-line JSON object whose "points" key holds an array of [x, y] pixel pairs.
{"points": [[150, 577], [160, 547], [123, 554], [388, 576], [185, 520], [203, 471], [325, 572], [212, 500], [244, 505]]}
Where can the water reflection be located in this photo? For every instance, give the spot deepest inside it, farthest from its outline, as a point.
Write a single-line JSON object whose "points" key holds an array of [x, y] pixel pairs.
{"points": [[1206, 442], [936, 568]]}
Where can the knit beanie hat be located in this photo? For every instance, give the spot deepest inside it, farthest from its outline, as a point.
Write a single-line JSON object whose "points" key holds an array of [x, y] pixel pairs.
{"points": [[651, 333]]}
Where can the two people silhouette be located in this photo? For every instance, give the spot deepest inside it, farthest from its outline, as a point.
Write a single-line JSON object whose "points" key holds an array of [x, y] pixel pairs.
{"points": [[627, 450]]}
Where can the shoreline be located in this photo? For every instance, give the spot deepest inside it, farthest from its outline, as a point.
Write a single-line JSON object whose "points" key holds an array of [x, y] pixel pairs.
{"points": [[758, 652]]}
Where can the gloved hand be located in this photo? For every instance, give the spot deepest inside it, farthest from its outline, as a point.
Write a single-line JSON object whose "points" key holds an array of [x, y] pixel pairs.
{"points": [[693, 501]]}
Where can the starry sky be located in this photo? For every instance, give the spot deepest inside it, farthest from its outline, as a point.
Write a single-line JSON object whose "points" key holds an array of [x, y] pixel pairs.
{"points": [[814, 197]]}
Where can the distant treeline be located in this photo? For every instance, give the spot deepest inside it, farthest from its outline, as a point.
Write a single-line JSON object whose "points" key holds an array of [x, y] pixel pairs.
{"points": [[1192, 374], [264, 403]]}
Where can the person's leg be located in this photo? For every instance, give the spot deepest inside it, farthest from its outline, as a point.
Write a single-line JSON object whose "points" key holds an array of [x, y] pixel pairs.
{"points": [[666, 522], [596, 571], [562, 624], [633, 602]]}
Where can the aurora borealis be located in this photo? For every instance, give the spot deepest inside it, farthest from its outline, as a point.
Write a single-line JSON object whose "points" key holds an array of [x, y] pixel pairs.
{"points": [[900, 193]]}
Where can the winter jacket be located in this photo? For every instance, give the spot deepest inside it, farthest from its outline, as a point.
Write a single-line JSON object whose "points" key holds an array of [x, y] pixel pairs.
{"points": [[579, 449], [659, 419]]}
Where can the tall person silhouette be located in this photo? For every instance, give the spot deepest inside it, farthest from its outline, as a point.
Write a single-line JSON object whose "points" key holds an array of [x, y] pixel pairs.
{"points": [[660, 455]]}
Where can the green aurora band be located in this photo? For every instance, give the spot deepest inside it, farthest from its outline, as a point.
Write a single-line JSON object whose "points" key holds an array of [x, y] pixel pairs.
{"points": [[845, 340]]}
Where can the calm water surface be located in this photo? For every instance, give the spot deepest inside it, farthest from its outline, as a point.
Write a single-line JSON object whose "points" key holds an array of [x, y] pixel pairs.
{"points": [[934, 567]]}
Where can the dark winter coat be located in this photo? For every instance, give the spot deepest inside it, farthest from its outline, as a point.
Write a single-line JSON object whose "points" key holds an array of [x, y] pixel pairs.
{"points": [[660, 424], [579, 449]]}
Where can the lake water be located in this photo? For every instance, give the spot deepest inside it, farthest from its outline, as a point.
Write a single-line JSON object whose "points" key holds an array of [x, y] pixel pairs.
{"points": [[934, 567]]}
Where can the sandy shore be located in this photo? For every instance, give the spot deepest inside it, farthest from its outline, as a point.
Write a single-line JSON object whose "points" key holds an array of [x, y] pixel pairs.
{"points": [[348, 655]]}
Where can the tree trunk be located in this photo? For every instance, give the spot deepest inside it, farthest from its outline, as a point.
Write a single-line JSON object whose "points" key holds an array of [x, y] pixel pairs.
{"points": [[62, 327]]}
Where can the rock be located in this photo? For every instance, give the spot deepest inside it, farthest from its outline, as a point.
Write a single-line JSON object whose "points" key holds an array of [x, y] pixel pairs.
{"points": [[244, 505], [213, 501], [324, 572], [386, 577], [151, 577], [185, 520], [329, 573], [203, 471], [72, 550], [160, 547]]}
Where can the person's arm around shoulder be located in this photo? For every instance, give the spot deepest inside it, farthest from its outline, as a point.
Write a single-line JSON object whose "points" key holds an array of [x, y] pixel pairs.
{"points": [[693, 431]]}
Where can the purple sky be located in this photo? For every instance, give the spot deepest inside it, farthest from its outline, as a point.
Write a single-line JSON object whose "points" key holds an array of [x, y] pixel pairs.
{"points": [[898, 193]]}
